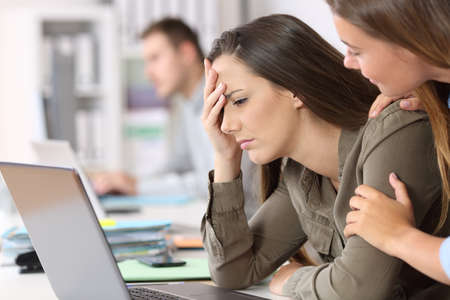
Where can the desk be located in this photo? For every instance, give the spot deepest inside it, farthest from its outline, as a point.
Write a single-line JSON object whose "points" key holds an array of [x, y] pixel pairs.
{"points": [[15, 286]]}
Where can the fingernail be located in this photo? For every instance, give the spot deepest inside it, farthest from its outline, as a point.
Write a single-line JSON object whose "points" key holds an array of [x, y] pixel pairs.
{"points": [[405, 104], [394, 176], [373, 114], [221, 98], [220, 85]]}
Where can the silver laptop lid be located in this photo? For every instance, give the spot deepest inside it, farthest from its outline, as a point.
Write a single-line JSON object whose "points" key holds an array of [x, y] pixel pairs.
{"points": [[58, 153], [65, 232]]}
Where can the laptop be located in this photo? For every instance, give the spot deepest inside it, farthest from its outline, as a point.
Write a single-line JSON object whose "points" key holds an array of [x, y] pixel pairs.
{"points": [[71, 245], [59, 153]]}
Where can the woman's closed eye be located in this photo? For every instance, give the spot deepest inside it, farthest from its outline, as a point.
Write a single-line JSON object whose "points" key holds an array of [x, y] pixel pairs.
{"points": [[353, 53], [239, 101]]}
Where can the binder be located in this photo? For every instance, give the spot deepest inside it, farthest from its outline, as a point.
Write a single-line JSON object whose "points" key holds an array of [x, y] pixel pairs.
{"points": [[194, 269]]}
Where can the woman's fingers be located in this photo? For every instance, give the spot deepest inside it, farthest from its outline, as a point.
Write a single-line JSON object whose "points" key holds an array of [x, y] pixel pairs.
{"points": [[353, 216], [207, 65], [350, 229], [212, 99], [212, 95], [215, 111], [356, 202], [210, 82], [379, 104], [401, 194], [411, 104], [352, 220], [366, 191], [408, 102], [400, 190]]}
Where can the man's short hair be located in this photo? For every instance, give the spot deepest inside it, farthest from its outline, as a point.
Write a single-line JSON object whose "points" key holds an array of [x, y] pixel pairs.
{"points": [[176, 31]]}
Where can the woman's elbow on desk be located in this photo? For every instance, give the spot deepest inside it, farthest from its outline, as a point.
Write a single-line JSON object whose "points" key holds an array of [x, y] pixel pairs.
{"points": [[231, 280], [236, 274]]}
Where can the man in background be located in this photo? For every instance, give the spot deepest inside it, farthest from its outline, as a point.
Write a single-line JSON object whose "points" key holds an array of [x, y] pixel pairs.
{"points": [[174, 64]]}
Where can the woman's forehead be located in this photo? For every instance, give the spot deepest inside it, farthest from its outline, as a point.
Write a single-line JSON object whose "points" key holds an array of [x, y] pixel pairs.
{"points": [[231, 71], [225, 64]]}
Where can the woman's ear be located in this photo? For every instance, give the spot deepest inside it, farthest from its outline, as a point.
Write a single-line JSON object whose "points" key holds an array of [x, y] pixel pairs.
{"points": [[298, 103]]}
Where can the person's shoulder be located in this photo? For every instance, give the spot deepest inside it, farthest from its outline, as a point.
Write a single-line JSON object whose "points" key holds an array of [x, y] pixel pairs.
{"points": [[392, 120]]}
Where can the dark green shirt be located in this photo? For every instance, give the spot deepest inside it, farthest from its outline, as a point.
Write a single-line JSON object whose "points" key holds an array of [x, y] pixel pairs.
{"points": [[305, 206]]}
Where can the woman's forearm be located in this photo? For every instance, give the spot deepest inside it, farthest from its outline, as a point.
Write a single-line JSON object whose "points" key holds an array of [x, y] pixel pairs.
{"points": [[421, 251]]}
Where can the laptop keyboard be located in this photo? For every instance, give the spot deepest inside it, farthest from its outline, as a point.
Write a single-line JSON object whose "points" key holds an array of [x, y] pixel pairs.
{"points": [[141, 293]]}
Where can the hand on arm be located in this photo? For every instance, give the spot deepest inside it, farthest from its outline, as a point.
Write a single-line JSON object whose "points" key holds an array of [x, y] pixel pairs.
{"points": [[407, 103], [227, 153], [379, 219], [388, 224]]}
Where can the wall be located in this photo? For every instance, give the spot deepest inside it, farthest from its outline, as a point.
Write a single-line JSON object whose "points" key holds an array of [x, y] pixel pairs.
{"points": [[5, 3], [231, 13], [315, 13]]}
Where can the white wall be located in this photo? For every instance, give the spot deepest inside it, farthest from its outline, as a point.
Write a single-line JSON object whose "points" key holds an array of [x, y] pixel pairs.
{"points": [[230, 14], [5, 3], [315, 13]]}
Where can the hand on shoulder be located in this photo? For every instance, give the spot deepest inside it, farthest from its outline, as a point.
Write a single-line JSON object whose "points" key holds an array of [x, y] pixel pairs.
{"points": [[408, 102]]}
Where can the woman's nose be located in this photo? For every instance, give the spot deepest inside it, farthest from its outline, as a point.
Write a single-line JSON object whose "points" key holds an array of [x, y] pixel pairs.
{"points": [[229, 121]]}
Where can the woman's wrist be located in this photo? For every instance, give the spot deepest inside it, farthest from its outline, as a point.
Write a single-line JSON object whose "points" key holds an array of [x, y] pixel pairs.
{"points": [[400, 244], [227, 169]]}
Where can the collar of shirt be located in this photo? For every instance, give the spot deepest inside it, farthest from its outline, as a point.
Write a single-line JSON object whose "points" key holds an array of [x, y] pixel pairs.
{"points": [[309, 180]]}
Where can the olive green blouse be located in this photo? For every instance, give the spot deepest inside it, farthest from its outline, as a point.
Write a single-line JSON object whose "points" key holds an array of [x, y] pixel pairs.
{"points": [[305, 206]]}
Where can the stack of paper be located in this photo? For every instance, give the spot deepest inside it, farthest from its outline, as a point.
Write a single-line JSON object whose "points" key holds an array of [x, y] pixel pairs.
{"points": [[15, 241], [137, 238], [127, 239], [111, 202]]}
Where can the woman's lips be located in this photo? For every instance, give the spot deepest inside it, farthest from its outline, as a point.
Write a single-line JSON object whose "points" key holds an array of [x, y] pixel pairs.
{"points": [[245, 143]]}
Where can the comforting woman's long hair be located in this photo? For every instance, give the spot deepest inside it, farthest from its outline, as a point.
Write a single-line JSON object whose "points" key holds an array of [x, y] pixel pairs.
{"points": [[422, 27], [290, 55]]}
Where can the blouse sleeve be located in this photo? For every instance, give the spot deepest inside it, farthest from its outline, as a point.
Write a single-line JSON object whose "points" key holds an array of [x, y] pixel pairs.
{"points": [[241, 253]]}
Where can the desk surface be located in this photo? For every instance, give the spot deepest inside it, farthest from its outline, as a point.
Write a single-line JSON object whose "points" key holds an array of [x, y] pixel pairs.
{"points": [[15, 286]]}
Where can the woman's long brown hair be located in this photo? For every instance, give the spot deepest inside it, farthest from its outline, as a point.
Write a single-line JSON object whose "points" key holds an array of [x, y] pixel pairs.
{"points": [[290, 55], [422, 27]]}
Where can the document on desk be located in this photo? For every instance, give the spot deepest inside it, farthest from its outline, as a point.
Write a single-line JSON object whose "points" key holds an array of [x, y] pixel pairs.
{"points": [[136, 238], [112, 201], [15, 241], [195, 269], [126, 238]]}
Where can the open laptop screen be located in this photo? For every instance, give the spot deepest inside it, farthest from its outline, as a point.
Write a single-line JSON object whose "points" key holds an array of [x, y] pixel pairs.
{"points": [[58, 153], [64, 231]]}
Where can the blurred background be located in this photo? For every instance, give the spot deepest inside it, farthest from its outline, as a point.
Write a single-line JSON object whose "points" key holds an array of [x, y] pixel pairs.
{"points": [[74, 70]]}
